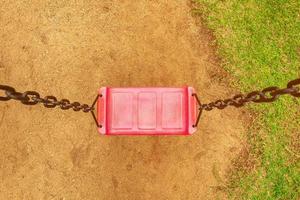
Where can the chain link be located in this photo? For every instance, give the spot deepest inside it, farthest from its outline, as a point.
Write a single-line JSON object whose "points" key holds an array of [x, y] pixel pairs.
{"points": [[33, 98], [267, 95]]}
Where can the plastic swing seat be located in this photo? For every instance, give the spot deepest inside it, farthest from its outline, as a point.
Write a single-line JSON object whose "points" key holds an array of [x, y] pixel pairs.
{"points": [[146, 111]]}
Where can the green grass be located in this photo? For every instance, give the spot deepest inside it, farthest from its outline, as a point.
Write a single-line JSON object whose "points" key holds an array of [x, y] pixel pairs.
{"points": [[259, 42]]}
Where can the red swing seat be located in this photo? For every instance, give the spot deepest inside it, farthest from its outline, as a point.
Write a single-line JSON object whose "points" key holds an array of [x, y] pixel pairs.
{"points": [[146, 111]]}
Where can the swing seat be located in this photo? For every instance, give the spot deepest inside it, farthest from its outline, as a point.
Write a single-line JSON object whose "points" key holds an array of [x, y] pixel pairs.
{"points": [[146, 111]]}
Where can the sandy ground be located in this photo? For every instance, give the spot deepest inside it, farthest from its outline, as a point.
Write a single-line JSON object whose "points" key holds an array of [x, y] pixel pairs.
{"points": [[70, 49]]}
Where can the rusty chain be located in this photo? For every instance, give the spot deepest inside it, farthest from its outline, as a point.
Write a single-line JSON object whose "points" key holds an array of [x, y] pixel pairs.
{"points": [[267, 95], [33, 98]]}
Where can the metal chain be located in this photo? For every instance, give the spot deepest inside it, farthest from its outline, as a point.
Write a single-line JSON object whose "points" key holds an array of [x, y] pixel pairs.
{"points": [[33, 98], [266, 95]]}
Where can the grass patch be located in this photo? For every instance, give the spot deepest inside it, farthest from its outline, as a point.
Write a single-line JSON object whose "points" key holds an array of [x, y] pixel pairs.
{"points": [[259, 42]]}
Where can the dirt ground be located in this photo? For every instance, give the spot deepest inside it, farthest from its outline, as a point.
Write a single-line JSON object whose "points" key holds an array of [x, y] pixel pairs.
{"points": [[71, 48]]}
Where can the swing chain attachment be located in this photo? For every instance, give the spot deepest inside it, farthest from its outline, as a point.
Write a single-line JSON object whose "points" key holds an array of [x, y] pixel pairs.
{"points": [[267, 95]]}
